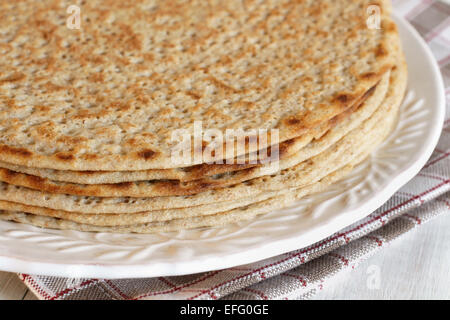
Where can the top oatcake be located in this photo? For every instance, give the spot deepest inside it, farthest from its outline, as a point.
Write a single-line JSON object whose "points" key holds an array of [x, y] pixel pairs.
{"points": [[108, 96]]}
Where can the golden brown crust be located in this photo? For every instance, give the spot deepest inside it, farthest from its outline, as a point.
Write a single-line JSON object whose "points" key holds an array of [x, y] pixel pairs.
{"points": [[145, 222], [156, 188], [285, 150], [108, 96], [127, 205]]}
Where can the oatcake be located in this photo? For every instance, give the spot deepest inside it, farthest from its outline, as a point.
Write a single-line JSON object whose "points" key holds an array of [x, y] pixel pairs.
{"points": [[154, 188], [218, 219], [126, 205], [380, 128], [108, 96]]}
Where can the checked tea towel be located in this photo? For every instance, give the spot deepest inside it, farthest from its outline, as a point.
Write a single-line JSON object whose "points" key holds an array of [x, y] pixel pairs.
{"points": [[299, 274]]}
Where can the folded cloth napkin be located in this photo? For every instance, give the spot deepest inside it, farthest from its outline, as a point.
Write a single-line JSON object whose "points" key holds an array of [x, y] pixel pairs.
{"points": [[299, 274]]}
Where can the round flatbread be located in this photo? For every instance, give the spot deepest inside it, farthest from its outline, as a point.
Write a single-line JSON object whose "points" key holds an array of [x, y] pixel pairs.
{"points": [[109, 95], [127, 205], [155, 188], [47, 219]]}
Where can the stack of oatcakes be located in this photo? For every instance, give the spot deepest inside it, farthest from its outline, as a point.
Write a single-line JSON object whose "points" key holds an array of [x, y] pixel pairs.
{"points": [[148, 116]]}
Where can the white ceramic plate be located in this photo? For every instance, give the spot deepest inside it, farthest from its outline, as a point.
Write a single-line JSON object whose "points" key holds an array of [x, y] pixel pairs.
{"points": [[27, 249]]}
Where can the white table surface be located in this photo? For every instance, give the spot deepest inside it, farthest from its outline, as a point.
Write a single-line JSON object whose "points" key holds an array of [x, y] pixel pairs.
{"points": [[416, 266]]}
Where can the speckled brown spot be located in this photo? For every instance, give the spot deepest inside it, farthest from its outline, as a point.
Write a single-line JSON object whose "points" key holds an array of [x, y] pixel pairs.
{"points": [[391, 27], [283, 148], [10, 173], [36, 181], [15, 151], [380, 51], [122, 185], [90, 156], [65, 156], [293, 121], [343, 98], [17, 76], [147, 154]]}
